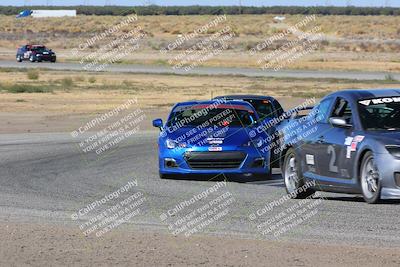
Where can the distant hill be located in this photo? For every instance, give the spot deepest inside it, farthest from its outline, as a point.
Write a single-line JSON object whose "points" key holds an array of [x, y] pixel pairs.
{"points": [[212, 10]]}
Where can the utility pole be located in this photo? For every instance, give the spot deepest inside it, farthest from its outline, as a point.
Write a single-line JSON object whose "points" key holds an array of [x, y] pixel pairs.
{"points": [[348, 2], [387, 3]]}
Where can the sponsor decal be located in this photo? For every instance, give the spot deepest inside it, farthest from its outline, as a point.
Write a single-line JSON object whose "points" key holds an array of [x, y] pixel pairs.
{"points": [[348, 140], [310, 159], [215, 148], [359, 138], [215, 141], [348, 152], [377, 101], [354, 144]]}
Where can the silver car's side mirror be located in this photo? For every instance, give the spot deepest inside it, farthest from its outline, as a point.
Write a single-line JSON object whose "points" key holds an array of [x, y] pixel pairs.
{"points": [[339, 122]]}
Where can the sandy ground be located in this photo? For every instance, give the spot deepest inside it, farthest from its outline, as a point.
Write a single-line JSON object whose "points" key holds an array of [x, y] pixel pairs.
{"points": [[38, 122], [65, 245]]}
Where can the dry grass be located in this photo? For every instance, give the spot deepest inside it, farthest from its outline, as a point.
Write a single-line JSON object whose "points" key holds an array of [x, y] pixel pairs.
{"points": [[353, 42], [379, 27], [68, 33], [155, 91]]}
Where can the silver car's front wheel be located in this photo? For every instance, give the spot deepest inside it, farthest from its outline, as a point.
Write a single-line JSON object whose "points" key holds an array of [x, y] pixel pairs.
{"points": [[369, 179], [292, 176]]}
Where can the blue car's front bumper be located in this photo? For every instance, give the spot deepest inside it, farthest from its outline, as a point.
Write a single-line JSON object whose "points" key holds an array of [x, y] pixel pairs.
{"points": [[231, 160]]}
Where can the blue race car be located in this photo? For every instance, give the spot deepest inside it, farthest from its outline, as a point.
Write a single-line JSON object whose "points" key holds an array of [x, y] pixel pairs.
{"points": [[266, 107], [211, 138], [349, 143], [272, 119]]}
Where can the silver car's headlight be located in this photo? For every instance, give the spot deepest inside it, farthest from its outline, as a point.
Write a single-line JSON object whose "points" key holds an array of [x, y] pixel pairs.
{"points": [[394, 150]]}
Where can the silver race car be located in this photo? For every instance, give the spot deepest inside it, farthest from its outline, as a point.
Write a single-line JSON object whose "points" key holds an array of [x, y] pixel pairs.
{"points": [[349, 143]]}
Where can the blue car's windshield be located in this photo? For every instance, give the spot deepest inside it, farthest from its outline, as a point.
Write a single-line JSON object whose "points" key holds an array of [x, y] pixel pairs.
{"points": [[378, 115], [192, 116], [264, 108], [40, 49]]}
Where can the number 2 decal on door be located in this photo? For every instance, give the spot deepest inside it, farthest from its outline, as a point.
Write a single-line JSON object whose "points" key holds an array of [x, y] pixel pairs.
{"points": [[332, 166]]}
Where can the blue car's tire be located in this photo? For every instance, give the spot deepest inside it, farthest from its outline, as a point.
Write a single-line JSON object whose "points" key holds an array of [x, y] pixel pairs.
{"points": [[167, 176]]}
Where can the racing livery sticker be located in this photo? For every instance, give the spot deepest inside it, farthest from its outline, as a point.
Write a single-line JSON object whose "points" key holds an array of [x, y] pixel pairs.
{"points": [[356, 140], [377, 101], [310, 159], [348, 141], [359, 138], [348, 152]]}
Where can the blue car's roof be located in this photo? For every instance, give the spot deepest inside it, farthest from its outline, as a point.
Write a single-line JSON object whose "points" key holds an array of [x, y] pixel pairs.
{"points": [[211, 102], [259, 97], [367, 93]]}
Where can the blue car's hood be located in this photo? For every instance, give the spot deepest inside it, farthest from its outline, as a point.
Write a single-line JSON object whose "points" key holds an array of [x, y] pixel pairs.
{"points": [[223, 136]]}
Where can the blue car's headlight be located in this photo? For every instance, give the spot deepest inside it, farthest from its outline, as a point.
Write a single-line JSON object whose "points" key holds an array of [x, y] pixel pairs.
{"points": [[171, 143]]}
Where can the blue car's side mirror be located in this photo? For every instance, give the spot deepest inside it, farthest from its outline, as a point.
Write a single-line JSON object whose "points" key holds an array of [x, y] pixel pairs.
{"points": [[158, 123]]}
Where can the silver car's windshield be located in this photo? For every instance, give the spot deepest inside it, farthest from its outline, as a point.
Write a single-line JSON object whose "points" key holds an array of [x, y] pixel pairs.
{"points": [[375, 114]]}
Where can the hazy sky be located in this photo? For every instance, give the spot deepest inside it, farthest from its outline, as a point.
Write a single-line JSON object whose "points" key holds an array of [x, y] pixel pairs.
{"points": [[207, 2]]}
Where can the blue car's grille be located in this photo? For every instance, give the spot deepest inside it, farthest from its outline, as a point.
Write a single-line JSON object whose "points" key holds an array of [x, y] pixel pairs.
{"points": [[214, 160]]}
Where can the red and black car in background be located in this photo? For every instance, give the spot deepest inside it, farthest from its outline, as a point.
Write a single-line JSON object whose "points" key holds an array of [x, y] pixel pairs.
{"points": [[35, 53]]}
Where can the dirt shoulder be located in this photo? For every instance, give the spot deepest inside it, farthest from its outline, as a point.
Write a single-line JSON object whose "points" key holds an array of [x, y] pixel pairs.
{"points": [[56, 245]]}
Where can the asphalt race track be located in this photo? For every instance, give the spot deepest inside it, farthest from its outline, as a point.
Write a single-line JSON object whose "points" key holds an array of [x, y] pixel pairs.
{"points": [[47, 178], [127, 68]]}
